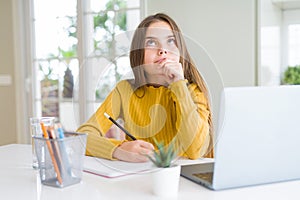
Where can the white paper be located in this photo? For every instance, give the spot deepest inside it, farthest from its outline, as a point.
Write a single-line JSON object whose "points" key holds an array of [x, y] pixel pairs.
{"points": [[114, 168]]}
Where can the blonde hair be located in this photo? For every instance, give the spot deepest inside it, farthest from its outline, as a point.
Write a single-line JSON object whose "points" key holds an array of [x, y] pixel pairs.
{"points": [[190, 71]]}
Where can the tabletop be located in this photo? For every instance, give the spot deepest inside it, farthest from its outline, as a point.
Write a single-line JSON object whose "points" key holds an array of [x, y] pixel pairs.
{"points": [[20, 181]]}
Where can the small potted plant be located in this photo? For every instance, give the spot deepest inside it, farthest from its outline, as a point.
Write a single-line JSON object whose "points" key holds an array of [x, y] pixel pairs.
{"points": [[166, 178]]}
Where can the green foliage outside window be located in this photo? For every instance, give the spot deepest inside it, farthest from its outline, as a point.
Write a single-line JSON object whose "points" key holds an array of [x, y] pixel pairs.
{"points": [[292, 75], [112, 20]]}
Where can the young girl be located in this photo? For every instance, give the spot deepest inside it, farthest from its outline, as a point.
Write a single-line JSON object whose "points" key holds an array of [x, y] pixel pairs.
{"points": [[167, 100]]}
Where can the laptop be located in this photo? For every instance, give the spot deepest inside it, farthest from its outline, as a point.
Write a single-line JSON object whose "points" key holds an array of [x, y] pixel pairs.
{"points": [[258, 139]]}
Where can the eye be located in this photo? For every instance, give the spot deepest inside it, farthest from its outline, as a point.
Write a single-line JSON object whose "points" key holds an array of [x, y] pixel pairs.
{"points": [[171, 41], [151, 43]]}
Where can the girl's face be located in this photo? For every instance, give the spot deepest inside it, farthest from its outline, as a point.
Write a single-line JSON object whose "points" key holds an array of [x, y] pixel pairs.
{"points": [[160, 48]]}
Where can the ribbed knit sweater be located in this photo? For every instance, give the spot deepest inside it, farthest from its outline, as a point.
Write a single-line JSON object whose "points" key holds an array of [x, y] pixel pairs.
{"points": [[177, 112]]}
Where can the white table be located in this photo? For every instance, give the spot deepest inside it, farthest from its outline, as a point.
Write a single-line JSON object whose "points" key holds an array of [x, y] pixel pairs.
{"points": [[19, 181]]}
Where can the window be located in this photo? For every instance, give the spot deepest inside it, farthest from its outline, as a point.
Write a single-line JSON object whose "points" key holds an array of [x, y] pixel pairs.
{"points": [[270, 55], [77, 56], [291, 47], [279, 41], [293, 44], [291, 35]]}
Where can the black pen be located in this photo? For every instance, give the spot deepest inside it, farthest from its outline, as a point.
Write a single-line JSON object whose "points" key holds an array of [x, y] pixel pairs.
{"points": [[118, 125]]}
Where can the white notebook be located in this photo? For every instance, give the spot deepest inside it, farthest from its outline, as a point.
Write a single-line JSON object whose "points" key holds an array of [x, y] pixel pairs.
{"points": [[112, 168]]}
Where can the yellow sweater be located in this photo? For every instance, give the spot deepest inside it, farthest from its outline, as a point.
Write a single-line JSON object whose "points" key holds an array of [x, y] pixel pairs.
{"points": [[178, 112]]}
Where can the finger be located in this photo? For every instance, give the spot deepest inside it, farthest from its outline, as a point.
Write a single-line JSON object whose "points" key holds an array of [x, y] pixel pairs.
{"points": [[140, 158], [144, 151], [146, 145], [173, 70], [128, 156], [169, 71], [135, 157]]}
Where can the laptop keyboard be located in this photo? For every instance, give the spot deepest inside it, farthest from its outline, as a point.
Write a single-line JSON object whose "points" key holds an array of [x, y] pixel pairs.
{"points": [[208, 176]]}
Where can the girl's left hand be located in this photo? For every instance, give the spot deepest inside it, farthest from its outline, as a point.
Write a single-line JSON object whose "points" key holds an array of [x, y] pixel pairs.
{"points": [[173, 71]]}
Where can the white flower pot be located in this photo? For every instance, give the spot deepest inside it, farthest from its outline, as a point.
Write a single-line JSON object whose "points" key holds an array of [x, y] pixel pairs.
{"points": [[165, 181]]}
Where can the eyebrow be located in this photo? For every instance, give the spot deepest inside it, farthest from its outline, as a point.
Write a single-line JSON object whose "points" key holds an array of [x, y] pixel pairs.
{"points": [[153, 37], [150, 37]]}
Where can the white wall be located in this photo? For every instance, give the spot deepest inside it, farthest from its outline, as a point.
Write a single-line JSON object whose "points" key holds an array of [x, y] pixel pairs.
{"points": [[226, 29], [7, 67]]}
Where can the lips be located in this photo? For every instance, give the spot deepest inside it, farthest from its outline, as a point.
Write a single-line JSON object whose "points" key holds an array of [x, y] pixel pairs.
{"points": [[159, 61]]}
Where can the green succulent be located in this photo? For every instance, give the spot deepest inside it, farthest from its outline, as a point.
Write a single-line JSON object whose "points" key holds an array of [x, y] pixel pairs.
{"points": [[164, 155]]}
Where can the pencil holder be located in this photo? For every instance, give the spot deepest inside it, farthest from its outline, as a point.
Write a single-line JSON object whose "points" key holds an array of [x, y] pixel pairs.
{"points": [[61, 160]]}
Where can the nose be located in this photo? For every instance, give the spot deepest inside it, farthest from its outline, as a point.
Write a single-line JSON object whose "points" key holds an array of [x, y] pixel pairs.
{"points": [[162, 51]]}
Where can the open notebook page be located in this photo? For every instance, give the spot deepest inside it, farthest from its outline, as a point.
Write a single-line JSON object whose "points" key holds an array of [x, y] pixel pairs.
{"points": [[114, 168]]}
